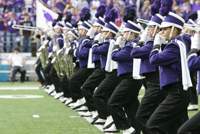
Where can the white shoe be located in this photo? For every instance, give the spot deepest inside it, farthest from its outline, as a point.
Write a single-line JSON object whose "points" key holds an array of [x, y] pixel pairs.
{"points": [[68, 101], [131, 130], [87, 114], [192, 107], [62, 99], [111, 129], [71, 105], [47, 88], [82, 109], [53, 93], [108, 123], [58, 95], [51, 89], [100, 122], [95, 114], [79, 103]]}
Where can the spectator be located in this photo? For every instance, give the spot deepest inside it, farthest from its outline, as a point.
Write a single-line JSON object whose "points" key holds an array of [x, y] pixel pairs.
{"points": [[22, 15], [0, 61], [109, 4], [46, 3], [33, 15], [94, 4], [60, 5], [6, 14], [186, 9], [122, 6], [130, 2], [2, 29], [10, 5], [196, 5], [75, 17], [80, 5], [177, 11], [2, 4], [28, 5], [19, 5], [17, 60], [67, 7], [145, 12], [74, 3], [11, 33], [26, 35]]}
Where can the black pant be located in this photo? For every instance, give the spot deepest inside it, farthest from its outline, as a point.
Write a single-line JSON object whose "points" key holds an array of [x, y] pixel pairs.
{"points": [[64, 81], [192, 90], [124, 101], [172, 112], [89, 86], [55, 80], [38, 70], [150, 101], [46, 74], [77, 80], [191, 126], [103, 93], [16, 69]]}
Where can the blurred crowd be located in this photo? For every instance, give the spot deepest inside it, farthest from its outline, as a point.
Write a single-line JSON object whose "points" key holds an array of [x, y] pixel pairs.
{"points": [[14, 11]]}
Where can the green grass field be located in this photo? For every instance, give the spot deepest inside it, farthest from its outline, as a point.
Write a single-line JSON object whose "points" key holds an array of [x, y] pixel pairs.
{"points": [[16, 115]]}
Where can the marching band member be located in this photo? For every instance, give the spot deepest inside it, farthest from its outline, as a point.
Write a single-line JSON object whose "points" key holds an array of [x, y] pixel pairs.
{"points": [[174, 77], [188, 31], [104, 48], [64, 79], [78, 78], [124, 99], [153, 95], [53, 74], [192, 126], [98, 75], [72, 36]]}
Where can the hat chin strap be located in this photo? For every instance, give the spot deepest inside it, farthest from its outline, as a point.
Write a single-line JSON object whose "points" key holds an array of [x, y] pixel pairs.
{"points": [[127, 39], [170, 36], [83, 32], [107, 34], [98, 31], [154, 32]]}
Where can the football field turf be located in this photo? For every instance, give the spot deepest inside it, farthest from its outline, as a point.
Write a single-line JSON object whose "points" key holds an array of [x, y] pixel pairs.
{"points": [[39, 115]]}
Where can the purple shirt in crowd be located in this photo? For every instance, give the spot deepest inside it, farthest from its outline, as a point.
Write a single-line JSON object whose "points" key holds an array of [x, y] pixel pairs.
{"points": [[21, 17], [9, 7], [2, 27], [9, 25], [33, 14], [18, 3], [60, 5]]}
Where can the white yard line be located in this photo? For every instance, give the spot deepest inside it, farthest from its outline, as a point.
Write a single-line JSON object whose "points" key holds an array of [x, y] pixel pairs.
{"points": [[19, 88]]}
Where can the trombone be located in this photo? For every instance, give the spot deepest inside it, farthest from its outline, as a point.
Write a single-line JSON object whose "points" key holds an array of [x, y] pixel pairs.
{"points": [[142, 21], [28, 28]]}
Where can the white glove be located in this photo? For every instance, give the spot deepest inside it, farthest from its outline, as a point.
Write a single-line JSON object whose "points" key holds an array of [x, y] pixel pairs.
{"points": [[45, 42], [145, 36], [91, 32], [159, 39], [97, 37], [195, 41], [101, 40], [119, 40], [54, 48], [67, 50]]}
